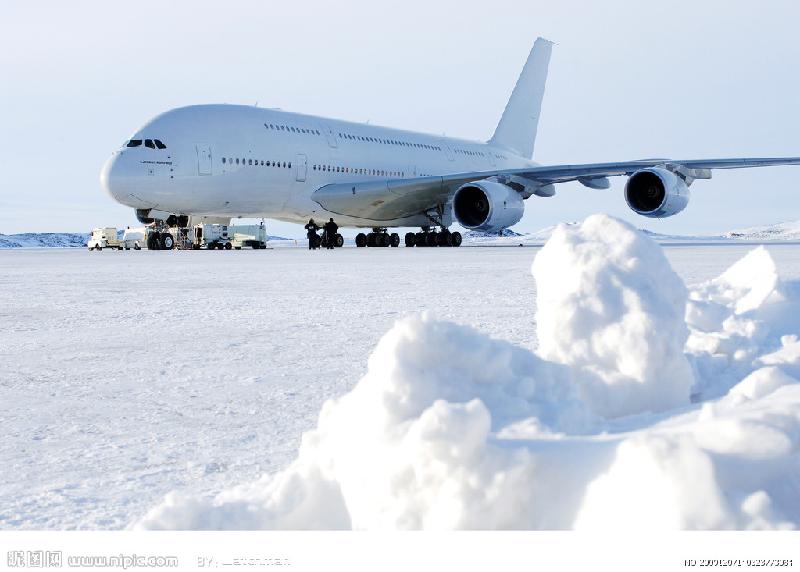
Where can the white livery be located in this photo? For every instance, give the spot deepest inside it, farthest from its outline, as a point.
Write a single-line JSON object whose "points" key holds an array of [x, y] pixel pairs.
{"points": [[227, 161]]}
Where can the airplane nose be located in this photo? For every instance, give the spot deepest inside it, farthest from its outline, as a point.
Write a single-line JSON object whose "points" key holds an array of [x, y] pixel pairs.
{"points": [[110, 177]]}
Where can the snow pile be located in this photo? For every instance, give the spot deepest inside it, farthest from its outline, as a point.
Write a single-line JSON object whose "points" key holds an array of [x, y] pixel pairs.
{"points": [[451, 429], [610, 306], [736, 318]]}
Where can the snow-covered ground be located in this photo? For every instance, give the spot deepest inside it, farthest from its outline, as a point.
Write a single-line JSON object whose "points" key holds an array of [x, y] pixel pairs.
{"points": [[127, 376]]}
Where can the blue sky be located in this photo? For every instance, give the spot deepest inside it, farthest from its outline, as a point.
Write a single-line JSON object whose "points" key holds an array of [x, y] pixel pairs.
{"points": [[627, 80]]}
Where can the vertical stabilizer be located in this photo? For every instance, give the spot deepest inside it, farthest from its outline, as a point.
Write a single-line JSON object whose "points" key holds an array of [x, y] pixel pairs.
{"points": [[517, 128]]}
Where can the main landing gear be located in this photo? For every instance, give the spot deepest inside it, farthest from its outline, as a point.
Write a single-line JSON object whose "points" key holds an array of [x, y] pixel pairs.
{"points": [[378, 237], [433, 238]]}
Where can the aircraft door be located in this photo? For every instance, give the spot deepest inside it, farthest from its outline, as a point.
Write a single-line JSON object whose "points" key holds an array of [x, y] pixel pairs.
{"points": [[448, 151], [301, 167], [203, 159], [329, 135]]}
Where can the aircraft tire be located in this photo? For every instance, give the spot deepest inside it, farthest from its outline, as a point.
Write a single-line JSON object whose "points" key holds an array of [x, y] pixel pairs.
{"points": [[445, 239], [421, 239], [338, 240], [394, 240], [410, 239], [455, 239], [432, 239], [361, 240]]}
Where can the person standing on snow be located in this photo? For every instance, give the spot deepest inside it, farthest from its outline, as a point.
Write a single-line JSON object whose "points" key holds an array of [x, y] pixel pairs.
{"points": [[311, 233], [330, 233]]}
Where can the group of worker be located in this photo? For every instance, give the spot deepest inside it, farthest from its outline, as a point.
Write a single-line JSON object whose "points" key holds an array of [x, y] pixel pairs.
{"points": [[329, 230]]}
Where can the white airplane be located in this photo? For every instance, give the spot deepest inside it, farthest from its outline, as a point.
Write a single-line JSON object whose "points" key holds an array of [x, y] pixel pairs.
{"points": [[227, 161]]}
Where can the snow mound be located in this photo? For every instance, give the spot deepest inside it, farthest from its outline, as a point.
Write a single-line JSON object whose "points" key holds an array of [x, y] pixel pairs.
{"points": [[610, 306], [451, 429], [738, 318]]}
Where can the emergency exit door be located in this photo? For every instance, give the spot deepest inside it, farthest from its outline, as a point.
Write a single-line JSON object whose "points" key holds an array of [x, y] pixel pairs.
{"points": [[203, 159], [301, 167]]}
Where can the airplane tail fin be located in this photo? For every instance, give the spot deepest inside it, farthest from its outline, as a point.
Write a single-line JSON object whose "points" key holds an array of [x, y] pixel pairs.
{"points": [[517, 128]]}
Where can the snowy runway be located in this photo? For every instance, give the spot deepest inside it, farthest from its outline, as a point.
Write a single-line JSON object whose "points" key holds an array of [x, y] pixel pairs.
{"points": [[124, 376]]}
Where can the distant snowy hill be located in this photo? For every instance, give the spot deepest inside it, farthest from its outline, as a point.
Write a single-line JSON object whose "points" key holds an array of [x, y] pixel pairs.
{"points": [[782, 231], [44, 240], [787, 231]]}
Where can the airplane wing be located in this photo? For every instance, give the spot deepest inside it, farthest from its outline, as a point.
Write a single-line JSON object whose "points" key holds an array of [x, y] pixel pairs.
{"points": [[390, 199]]}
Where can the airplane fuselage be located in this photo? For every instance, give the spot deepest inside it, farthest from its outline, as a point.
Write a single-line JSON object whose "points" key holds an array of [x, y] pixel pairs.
{"points": [[232, 161]]}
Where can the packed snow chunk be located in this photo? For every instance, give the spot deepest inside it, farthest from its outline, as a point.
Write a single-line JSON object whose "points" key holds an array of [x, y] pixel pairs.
{"points": [[738, 317], [656, 483], [610, 306], [412, 445]]}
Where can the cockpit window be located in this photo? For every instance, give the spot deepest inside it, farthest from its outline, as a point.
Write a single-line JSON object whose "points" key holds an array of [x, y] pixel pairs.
{"points": [[159, 144], [149, 144], [134, 143]]}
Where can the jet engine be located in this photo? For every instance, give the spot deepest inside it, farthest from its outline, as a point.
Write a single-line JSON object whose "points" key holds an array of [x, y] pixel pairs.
{"points": [[656, 193], [487, 205]]}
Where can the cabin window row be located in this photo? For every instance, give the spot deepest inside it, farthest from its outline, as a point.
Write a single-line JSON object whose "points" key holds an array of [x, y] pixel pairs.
{"points": [[255, 162], [291, 129], [366, 139], [358, 171]]}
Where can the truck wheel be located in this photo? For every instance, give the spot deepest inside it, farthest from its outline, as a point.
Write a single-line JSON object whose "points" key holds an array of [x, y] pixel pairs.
{"points": [[167, 242], [228, 246]]}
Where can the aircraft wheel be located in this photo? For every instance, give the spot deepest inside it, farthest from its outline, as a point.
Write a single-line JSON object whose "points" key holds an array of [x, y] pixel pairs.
{"points": [[361, 240], [421, 239], [432, 239], [410, 239], [394, 240], [338, 240], [455, 238], [445, 239]]}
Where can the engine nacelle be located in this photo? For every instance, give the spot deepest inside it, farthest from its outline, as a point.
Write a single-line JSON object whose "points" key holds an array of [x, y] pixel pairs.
{"points": [[656, 193], [487, 205]]}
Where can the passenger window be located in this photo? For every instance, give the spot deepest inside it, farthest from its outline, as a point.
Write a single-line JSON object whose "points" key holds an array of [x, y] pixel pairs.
{"points": [[290, 165], [149, 144], [262, 163], [237, 161], [134, 143], [249, 161], [223, 160], [159, 144]]}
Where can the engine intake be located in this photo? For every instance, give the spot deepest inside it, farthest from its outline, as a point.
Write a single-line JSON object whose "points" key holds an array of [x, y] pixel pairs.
{"points": [[487, 205], [656, 193]]}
